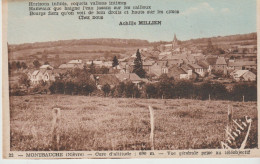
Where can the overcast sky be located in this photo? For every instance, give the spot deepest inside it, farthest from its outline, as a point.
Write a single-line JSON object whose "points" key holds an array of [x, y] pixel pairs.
{"points": [[200, 18]]}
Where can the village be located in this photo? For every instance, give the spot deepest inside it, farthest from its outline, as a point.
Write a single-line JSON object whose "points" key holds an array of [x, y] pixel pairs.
{"points": [[180, 63]]}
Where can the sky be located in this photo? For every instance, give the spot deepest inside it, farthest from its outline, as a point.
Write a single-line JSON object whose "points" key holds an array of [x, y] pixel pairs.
{"points": [[197, 19]]}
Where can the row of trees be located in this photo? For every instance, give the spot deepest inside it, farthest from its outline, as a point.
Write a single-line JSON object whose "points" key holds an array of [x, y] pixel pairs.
{"points": [[166, 88], [17, 65]]}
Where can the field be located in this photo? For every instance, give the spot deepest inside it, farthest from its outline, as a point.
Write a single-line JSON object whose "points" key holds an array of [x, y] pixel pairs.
{"points": [[95, 123]]}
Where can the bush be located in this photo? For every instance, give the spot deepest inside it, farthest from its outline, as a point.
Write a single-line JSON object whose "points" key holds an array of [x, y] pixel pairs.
{"points": [[151, 91], [165, 86], [106, 89], [249, 91], [184, 89]]}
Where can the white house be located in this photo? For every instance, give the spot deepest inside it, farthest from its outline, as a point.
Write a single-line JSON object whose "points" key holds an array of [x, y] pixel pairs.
{"points": [[243, 75]]}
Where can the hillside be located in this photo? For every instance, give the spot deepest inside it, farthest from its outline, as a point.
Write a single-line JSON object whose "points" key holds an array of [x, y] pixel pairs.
{"points": [[221, 41], [225, 41], [61, 51], [106, 48]]}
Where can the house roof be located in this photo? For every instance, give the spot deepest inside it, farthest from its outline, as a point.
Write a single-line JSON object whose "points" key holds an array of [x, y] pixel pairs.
{"points": [[97, 62], [66, 66], [46, 66], [168, 45], [148, 63], [242, 63], [186, 68], [75, 62], [195, 66], [221, 61], [211, 59], [176, 57], [103, 79], [128, 76], [156, 69], [203, 64], [240, 73], [176, 70], [165, 53]]}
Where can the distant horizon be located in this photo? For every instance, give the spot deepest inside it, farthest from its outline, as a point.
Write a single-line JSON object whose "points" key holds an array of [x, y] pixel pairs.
{"points": [[130, 39]]}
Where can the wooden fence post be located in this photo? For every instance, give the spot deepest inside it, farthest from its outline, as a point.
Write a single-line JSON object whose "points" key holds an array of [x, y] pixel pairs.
{"points": [[152, 126], [56, 113]]}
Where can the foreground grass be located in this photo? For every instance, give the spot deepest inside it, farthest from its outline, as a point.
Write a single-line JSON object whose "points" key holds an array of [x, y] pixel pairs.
{"points": [[94, 123]]}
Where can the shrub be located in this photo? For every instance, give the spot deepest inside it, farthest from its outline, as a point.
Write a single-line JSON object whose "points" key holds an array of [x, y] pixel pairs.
{"points": [[106, 89], [249, 91]]}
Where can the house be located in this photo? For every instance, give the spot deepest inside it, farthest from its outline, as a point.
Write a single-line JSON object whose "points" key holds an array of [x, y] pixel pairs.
{"points": [[211, 60], [205, 65], [102, 79], [198, 69], [163, 54], [97, 63], [70, 66], [41, 75], [107, 64], [158, 70], [75, 62], [242, 65], [244, 75], [147, 65], [188, 70], [247, 49], [46, 66], [134, 78], [124, 67], [177, 73], [221, 64]]}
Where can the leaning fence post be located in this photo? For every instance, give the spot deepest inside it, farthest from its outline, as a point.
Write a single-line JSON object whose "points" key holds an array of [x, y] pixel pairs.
{"points": [[209, 97], [152, 127], [54, 129], [230, 113]]}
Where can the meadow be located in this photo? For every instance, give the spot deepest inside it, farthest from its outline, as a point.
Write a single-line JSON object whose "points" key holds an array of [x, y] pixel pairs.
{"points": [[98, 123]]}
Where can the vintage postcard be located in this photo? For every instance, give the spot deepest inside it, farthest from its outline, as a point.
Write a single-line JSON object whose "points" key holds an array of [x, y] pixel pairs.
{"points": [[130, 79]]}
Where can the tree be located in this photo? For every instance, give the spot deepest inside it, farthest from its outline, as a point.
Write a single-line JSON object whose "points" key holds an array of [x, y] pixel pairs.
{"points": [[129, 89], [205, 89], [120, 89], [13, 65], [138, 65], [106, 89], [92, 68], [249, 91], [23, 65], [24, 80], [165, 86], [184, 89], [151, 91], [115, 62], [103, 70], [18, 65], [36, 63]]}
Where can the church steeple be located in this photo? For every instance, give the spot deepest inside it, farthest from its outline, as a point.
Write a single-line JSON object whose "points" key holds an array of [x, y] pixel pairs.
{"points": [[174, 41], [175, 38]]}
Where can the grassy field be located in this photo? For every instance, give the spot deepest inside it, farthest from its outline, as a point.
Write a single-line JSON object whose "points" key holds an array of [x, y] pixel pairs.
{"points": [[94, 123]]}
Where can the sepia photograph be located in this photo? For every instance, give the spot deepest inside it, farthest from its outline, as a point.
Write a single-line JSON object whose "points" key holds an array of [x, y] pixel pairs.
{"points": [[130, 78]]}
